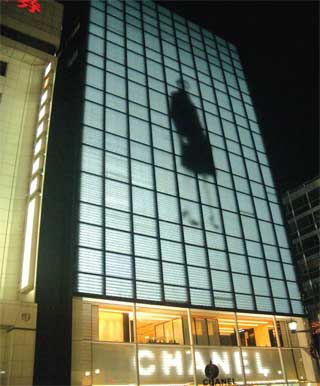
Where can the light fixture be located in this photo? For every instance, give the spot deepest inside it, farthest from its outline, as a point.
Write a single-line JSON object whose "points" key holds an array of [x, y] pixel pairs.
{"points": [[292, 324], [97, 371], [87, 373]]}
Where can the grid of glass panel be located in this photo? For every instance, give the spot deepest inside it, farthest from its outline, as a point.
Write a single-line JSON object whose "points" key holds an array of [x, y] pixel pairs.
{"points": [[150, 228]]}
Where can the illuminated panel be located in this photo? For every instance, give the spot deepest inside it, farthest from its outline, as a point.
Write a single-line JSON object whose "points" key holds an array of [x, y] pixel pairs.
{"points": [[40, 129], [37, 165], [27, 276], [38, 145], [264, 364], [33, 6], [201, 228], [165, 365], [47, 69], [116, 363], [170, 365], [42, 112], [36, 183], [44, 97]]}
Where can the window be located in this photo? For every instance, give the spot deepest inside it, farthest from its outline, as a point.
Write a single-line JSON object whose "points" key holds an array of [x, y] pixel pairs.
{"points": [[115, 323], [257, 331], [311, 245], [305, 224], [314, 197], [300, 204], [3, 68], [213, 329], [162, 326]]}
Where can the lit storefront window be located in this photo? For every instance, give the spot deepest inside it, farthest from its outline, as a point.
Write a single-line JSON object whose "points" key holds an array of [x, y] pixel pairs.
{"points": [[106, 352], [256, 331], [116, 325], [214, 329], [162, 326]]}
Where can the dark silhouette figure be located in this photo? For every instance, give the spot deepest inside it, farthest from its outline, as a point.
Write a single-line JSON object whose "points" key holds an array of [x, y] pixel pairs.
{"points": [[196, 149]]}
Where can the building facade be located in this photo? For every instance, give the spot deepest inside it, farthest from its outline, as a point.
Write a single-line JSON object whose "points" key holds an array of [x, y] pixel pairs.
{"points": [[162, 243], [30, 37], [302, 206]]}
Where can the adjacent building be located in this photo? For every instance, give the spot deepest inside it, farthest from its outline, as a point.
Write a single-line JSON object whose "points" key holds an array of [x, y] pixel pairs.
{"points": [[161, 244], [302, 206], [30, 37]]}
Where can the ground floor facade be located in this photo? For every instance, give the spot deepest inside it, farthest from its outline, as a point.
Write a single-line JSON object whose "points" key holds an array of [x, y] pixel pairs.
{"points": [[116, 343]]}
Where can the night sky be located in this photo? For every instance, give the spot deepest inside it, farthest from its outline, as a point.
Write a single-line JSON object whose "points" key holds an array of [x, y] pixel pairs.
{"points": [[278, 44]]}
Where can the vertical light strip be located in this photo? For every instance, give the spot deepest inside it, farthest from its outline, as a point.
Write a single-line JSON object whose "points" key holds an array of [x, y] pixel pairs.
{"points": [[240, 349], [29, 256], [136, 342], [284, 372], [194, 367]]}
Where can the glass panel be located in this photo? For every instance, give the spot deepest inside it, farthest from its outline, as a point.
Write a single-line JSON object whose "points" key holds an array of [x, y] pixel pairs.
{"points": [[238, 263], [261, 285], [168, 207], [90, 284], [148, 291], [250, 228], [213, 328], [113, 243], [118, 265], [221, 280], [196, 255], [256, 330], [143, 201], [141, 174], [224, 299], [117, 195], [147, 270], [90, 236], [195, 273], [162, 325], [174, 274], [164, 365], [299, 365], [264, 365], [227, 359], [90, 261], [116, 364], [116, 167], [115, 323], [241, 283], [91, 189], [92, 115], [232, 224], [227, 199], [146, 246]]}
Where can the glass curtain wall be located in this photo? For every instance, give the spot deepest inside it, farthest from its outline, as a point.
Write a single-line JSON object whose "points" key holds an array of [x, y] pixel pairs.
{"points": [[177, 202], [128, 344]]}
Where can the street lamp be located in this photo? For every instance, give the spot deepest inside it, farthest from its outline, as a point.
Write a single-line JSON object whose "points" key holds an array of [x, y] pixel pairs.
{"points": [[313, 350], [292, 324]]}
